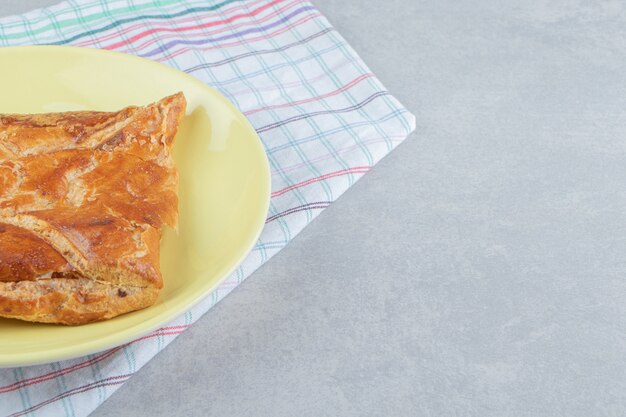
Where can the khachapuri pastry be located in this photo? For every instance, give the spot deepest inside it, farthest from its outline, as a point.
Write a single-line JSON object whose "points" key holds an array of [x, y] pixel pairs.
{"points": [[84, 197]]}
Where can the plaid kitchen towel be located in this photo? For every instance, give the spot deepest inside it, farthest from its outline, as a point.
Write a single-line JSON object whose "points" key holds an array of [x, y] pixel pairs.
{"points": [[323, 117]]}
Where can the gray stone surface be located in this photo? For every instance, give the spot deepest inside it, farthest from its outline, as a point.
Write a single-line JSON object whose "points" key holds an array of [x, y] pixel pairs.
{"points": [[479, 270]]}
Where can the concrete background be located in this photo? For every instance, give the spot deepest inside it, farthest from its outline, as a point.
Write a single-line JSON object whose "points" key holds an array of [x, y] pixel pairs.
{"points": [[479, 270]]}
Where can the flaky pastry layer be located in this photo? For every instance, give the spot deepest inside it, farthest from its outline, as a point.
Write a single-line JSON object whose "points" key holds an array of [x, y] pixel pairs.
{"points": [[84, 197]]}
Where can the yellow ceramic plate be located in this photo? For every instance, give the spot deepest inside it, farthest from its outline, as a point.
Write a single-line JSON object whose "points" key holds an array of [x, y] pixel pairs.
{"points": [[224, 184]]}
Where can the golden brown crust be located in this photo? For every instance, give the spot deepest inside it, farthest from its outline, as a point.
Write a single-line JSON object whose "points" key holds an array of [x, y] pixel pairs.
{"points": [[83, 198], [38, 260], [71, 300]]}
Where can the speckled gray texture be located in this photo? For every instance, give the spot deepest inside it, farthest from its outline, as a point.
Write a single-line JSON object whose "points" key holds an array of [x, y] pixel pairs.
{"points": [[479, 270]]}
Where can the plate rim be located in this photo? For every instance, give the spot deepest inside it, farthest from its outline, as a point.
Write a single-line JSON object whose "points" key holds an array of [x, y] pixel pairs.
{"points": [[129, 334]]}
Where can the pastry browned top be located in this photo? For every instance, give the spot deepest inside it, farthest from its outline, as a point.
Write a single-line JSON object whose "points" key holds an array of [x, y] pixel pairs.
{"points": [[87, 193]]}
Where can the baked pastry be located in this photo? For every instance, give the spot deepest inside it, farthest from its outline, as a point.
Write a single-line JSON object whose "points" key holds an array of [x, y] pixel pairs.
{"points": [[83, 199]]}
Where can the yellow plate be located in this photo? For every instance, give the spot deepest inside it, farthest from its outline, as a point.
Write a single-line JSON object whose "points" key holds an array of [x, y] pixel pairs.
{"points": [[224, 184]]}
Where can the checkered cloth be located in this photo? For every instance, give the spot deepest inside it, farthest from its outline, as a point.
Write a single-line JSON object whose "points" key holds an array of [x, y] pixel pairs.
{"points": [[324, 119]]}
